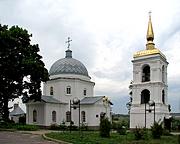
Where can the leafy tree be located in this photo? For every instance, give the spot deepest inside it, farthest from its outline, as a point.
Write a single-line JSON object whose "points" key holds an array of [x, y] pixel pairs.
{"points": [[105, 127], [21, 68]]}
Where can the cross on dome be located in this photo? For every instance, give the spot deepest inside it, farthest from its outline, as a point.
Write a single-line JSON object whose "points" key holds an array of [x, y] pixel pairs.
{"points": [[68, 41]]}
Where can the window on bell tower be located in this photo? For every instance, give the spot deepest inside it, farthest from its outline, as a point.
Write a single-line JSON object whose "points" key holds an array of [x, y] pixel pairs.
{"points": [[145, 96], [146, 73], [163, 97], [163, 73]]}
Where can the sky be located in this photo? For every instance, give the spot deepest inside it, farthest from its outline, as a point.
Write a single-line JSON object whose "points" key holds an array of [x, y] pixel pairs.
{"points": [[105, 34]]}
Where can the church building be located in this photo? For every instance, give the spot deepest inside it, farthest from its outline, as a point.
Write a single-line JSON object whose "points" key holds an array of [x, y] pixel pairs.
{"points": [[68, 96], [149, 85]]}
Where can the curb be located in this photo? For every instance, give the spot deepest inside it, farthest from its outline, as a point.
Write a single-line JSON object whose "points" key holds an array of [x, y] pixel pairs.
{"points": [[55, 140]]}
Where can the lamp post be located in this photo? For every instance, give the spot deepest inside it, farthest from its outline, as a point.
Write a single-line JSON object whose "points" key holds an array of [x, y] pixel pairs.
{"points": [[150, 103], [145, 115], [75, 104]]}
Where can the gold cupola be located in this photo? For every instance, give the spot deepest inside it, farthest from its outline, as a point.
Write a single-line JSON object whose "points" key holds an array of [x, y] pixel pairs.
{"points": [[150, 35], [150, 46]]}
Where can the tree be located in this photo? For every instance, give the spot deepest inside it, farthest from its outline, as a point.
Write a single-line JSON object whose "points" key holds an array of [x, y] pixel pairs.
{"points": [[21, 68], [105, 127]]}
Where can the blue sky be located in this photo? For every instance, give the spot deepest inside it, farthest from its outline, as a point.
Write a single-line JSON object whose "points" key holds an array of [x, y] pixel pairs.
{"points": [[105, 34]]}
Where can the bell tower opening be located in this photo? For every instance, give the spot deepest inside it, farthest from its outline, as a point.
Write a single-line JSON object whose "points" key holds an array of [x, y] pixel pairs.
{"points": [[146, 73], [145, 96]]}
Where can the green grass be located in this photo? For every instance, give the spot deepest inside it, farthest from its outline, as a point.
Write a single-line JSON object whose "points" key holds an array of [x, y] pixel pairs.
{"points": [[14, 126], [94, 138]]}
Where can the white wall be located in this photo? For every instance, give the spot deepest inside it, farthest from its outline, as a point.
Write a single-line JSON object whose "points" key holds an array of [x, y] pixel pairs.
{"points": [[39, 107], [77, 88]]}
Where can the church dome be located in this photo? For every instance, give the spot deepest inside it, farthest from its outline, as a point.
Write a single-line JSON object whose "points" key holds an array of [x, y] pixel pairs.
{"points": [[68, 65]]}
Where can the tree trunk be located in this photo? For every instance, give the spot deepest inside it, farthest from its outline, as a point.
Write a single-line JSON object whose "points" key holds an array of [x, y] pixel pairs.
{"points": [[5, 109]]}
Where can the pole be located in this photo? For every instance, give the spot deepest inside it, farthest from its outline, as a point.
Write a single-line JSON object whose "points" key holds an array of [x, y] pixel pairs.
{"points": [[79, 118], [154, 113], [145, 115], [70, 117]]}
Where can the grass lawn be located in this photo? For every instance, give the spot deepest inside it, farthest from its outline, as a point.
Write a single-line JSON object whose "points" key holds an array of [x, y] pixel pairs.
{"points": [[94, 138]]}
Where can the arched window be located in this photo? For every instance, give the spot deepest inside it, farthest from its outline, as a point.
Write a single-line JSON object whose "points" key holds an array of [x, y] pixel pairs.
{"points": [[84, 92], [145, 96], [163, 97], [68, 90], [83, 116], [34, 116], [54, 116], [163, 73], [68, 116], [146, 73], [51, 91]]}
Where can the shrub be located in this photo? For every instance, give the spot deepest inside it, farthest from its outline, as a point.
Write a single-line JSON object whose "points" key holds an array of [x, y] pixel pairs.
{"points": [[7, 125], [27, 127], [121, 130], [114, 125], [54, 127], [63, 127], [84, 127], [166, 132], [105, 127], [157, 130], [140, 133]]}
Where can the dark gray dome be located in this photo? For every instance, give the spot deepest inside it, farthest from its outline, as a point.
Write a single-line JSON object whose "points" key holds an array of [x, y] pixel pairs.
{"points": [[68, 65]]}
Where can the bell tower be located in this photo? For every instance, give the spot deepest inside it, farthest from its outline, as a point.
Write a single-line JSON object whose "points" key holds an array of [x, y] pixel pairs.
{"points": [[149, 86]]}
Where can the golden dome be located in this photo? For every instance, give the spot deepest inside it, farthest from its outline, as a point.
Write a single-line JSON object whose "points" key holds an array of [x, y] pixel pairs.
{"points": [[150, 46]]}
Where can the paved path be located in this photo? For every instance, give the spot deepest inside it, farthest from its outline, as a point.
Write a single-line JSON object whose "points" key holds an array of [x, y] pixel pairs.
{"points": [[22, 138]]}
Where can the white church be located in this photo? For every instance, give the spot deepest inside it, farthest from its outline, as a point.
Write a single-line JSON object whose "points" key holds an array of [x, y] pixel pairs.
{"points": [[149, 85], [68, 88]]}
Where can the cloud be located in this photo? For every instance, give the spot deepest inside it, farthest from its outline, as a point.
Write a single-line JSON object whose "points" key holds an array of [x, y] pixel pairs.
{"points": [[105, 36]]}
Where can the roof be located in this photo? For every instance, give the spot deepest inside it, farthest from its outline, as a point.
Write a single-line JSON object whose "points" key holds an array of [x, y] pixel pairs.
{"points": [[50, 99], [17, 111], [68, 65], [91, 100]]}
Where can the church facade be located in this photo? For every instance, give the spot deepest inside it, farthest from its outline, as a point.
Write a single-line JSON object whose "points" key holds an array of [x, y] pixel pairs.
{"points": [[69, 83], [149, 85]]}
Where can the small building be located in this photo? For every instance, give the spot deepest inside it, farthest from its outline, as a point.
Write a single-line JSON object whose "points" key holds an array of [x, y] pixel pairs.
{"points": [[16, 113]]}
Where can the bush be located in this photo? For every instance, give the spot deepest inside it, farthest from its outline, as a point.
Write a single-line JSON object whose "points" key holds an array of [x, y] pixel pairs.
{"points": [[105, 127], [157, 130], [84, 127], [54, 127], [63, 127], [141, 133], [114, 125], [121, 130], [7, 125], [27, 127], [166, 132]]}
